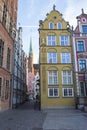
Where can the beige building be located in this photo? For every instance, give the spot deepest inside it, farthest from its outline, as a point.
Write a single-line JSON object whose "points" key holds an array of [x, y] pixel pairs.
{"points": [[56, 64]]}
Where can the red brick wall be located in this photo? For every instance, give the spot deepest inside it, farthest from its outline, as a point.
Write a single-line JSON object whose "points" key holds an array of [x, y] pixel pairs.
{"points": [[12, 6]]}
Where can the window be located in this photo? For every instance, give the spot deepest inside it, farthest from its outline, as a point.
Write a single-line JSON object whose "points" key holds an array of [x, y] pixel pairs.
{"points": [[84, 28], [10, 27], [67, 92], [85, 89], [7, 89], [82, 65], [52, 57], [53, 92], [64, 40], [82, 89], [80, 46], [51, 40], [4, 15], [51, 25], [59, 25], [67, 77], [83, 20], [52, 77], [8, 58], [1, 52], [66, 57], [0, 85]]}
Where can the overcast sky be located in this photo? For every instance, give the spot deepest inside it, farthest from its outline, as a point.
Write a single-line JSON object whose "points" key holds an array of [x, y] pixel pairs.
{"points": [[31, 11]]}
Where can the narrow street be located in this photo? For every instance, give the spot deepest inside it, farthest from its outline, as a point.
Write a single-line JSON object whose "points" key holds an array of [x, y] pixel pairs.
{"points": [[26, 117], [22, 118]]}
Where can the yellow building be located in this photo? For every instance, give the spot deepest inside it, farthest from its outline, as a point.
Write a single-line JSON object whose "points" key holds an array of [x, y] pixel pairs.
{"points": [[56, 66]]}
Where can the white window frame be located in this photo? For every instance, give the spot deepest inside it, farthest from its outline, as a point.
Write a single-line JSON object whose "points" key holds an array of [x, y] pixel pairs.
{"points": [[67, 76], [53, 92], [50, 25], [67, 92], [52, 76], [67, 61], [68, 42], [51, 58], [51, 40]]}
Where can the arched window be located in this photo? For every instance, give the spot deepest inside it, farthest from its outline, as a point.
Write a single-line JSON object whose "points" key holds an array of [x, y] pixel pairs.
{"points": [[51, 25], [59, 25]]}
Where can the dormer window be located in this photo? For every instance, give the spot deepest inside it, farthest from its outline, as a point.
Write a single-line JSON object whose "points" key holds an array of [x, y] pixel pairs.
{"points": [[84, 28], [51, 25], [59, 25]]}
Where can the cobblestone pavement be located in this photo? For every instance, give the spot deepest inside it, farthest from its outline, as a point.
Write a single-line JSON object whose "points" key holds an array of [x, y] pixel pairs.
{"points": [[26, 118], [22, 118]]}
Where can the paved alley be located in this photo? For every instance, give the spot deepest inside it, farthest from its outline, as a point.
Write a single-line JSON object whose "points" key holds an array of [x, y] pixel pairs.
{"points": [[22, 118], [26, 117]]}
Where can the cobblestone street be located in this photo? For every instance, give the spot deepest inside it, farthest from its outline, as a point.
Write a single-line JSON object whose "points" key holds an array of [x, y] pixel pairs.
{"points": [[22, 118], [26, 118]]}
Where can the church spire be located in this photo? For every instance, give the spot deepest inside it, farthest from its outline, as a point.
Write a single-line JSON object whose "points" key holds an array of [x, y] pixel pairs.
{"points": [[30, 50]]}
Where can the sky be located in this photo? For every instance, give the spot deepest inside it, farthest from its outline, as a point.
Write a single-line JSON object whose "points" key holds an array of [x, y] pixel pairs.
{"points": [[31, 11]]}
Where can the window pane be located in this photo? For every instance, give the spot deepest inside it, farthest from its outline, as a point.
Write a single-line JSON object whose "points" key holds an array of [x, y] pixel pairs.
{"points": [[59, 25], [50, 92], [64, 41], [53, 78], [84, 28], [55, 92], [52, 56], [68, 92], [67, 77], [51, 25], [51, 40], [80, 46], [82, 65], [66, 58], [65, 92], [1, 52], [82, 92]]}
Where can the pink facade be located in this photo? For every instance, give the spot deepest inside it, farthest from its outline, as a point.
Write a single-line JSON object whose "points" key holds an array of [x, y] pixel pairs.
{"points": [[30, 83], [80, 54]]}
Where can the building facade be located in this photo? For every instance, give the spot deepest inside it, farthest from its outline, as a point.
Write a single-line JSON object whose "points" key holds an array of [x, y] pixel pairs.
{"points": [[8, 19], [80, 56], [56, 62], [19, 71]]}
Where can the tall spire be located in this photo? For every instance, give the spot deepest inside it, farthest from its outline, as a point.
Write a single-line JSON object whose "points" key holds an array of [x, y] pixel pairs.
{"points": [[30, 50]]}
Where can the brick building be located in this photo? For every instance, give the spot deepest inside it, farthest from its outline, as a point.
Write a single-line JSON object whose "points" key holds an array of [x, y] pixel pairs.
{"points": [[8, 19]]}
